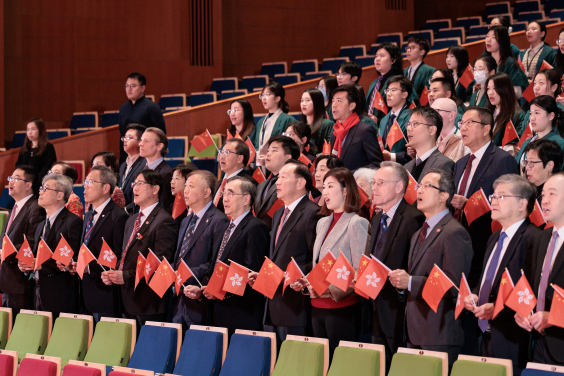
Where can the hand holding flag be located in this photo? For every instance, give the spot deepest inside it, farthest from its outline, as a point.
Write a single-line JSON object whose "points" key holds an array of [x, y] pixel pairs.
{"points": [[182, 275], [215, 285], [268, 278], [316, 277]]}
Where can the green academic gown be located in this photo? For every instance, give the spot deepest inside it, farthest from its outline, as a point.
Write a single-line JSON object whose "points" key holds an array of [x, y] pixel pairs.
{"points": [[514, 49], [403, 119], [528, 114], [421, 77], [279, 127], [512, 69], [323, 134], [329, 111], [552, 136], [483, 100], [547, 54], [413, 97], [517, 120], [464, 93]]}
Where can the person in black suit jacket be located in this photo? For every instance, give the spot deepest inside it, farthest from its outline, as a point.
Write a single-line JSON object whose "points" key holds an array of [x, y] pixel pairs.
{"points": [[197, 238], [153, 228], [512, 202], [22, 222], [105, 221], [476, 171], [177, 184], [280, 149], [56, 289], [134, 162], [244, 241], [355, 142], [389, 242]]}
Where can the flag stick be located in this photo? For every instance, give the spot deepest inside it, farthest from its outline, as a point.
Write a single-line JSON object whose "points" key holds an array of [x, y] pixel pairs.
{"points": [[209, 134], [102, 266], [241, 265]]}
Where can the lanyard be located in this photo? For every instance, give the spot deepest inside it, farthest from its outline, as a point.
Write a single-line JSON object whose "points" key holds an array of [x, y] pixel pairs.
{"points": [[529, 55]]}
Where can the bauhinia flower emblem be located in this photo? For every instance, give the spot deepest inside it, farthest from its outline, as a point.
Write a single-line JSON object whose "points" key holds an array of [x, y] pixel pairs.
{"points": [[372, 279], [525, 297], [236, 280], [343, 273]]}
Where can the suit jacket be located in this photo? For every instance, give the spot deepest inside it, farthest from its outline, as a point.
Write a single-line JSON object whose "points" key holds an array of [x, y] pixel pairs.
{"points": [[494, 163], [99, 297], [59, 290], [361, 148], [296, 240], [243, 173], [262, 206], [247, 246], [395, 250], [421, 77], [448, 246], [125, 183], [435, 160], [12, 280], [180, 218], [166, 195], [159, 233]]}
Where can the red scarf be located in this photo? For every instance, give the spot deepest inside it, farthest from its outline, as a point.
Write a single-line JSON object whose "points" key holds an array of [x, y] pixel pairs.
{"points": [[340, 131]]}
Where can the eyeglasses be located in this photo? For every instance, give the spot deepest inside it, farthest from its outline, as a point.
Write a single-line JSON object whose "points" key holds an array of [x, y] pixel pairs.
{"points": [[468, 123], [415, 124], [227, 152], [321, 87], [230, 194], [439, 110], [88, 183], [559, 41], [475, 70], [425, 186], [288, 134], [392, 90], [139, 183], [44, 188], [501, 197], [411, 48], [380, 183], [265, 95], [340, 75], [16, 179], [234, 111], [128, 138], [529, 164], [133, 86], [52, 172]]}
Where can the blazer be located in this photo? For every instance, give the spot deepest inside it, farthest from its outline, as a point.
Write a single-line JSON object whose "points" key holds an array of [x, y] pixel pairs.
{"points": [[296, 240], [59, 290], [280, 125], [421, 77], [406, 221], [494, 163], [511, 68], [463, 93], [435, 160], [552, 136], [361, 148], [99, 297], [243, 173], [125, 183], [263, 206], [399, 147], [413, 96], [12, 280], [483, 101], [455, 148], [448, 246], [159, 232]]}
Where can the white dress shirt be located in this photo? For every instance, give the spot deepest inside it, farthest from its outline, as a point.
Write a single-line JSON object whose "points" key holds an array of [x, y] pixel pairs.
{"points": [[478, 154]]}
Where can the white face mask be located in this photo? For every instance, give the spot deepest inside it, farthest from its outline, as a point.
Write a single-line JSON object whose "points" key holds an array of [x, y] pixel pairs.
{"points": [[480, 77]]}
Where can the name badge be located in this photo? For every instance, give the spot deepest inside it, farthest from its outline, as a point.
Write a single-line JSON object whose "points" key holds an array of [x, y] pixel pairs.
{"points": [[335, 152]]}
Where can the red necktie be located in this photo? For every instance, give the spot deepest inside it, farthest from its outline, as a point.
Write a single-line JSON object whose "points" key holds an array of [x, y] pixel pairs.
{"points": [[12, 215], [423, 232], [219, 192], [136, 228], [464, 182]]}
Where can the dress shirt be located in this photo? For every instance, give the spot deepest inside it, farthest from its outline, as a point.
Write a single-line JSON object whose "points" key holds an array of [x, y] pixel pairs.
{"points": [[236, 222], [155, 164], [20, 205], [99, 210], [478, 154]]}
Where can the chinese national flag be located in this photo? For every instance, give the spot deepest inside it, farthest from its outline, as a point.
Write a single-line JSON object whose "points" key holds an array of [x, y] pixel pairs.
{"points": [[467, 77], [163, 279], [410, 193], [476, 206], [463, 292], [373, 278], [326, 148], [373, 206], [316, 277], [229, 136], [521, 299], [424, 98], [412, 105], [527, 133], [510, 134], [379, 103], [536, 217], [258, 176], [202, 142], [529, 94], [179, 205], [545, 65], [151, 264], [380, 142], [7, 248], [342, 273], [252, 151], [43, 254], [521, 64], [277, 205], [363, 196], [107, 257], [63, 253], [293, 273], [182, 275], [25, 255], [236, 279], [84, 258], [556, 315], [304, 159], [548, 225], [435, 288], [215, 285], [505, 288], [364, 261], [140, 269], [394, 135], [496, 226], [268, 278], [237, 135]]}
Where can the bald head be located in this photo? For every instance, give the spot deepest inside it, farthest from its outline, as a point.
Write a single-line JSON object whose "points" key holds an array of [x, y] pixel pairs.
{"points": [[448, 110]]}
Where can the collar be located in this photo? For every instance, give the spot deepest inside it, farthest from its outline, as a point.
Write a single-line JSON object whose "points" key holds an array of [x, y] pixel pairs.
{"points": [[155, 164], [148, 210], [511, 230], [22, 202], [101, 208], [432, 222], [426, 155], [293, 205], [201, 213], [54, 216], [137, 101], [449, 135], [390, 213], [234, 174], [397, 113], [131, 159], [413, 69], [480, 152], [238, 220], [536, 49]]}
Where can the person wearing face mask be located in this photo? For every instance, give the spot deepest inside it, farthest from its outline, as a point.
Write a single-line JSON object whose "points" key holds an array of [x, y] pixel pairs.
{"points": [[538, 52], [313, 114], [484, 67], [326, 86], [241, 116], [543, 158], [457, 61]]}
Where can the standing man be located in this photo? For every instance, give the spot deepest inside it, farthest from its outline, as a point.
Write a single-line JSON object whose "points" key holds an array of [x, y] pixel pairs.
{"points": [[134, 163], [177, 184], [418, 73], [449, 141]]}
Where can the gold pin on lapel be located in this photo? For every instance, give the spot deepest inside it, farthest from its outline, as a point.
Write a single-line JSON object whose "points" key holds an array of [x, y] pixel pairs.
{"points": [[438, 230], [147, 222], [207, 220]]}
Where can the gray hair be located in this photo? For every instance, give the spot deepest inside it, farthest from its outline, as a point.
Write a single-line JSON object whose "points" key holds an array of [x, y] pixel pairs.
{"points": [[446, 182], [399, 171], [107, 176], [62, 183], [247, 188], [365, 173], [520, 187]]}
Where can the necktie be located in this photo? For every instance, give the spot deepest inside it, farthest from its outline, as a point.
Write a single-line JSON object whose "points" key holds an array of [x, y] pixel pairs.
{"points": [[186, 240], [12, 215], [423, 232], [376, 88], [388, 127], [225, 240], [546, 271], [89, 227], [381, 239], [384, 223], [219, 194], [47, 228], [136, 227], [464, 182], [282, 220], [490, 276]]}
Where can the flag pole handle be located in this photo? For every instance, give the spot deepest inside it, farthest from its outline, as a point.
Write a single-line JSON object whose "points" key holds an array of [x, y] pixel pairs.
{"points": [[102, 266]]}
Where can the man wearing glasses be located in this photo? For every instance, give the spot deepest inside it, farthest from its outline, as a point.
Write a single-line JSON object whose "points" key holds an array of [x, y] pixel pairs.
{"points": [[22, 222], [442, 241], [134, 163], [449, 141]]}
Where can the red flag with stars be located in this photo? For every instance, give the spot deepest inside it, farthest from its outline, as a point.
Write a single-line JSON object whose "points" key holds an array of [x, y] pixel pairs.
{"points": [[84, 258], [178, 206], [373, 278], [476, 206], [496, 226], [363, 196], [252, 151], [316, 277], [505, 287], [463, 292], [326, 148], [236, 280], [63, 253], [293, 273], [182, 274], [394, 135], [556, 315], [7, 248], [379, 103], [435, 288], [536, 216], [107, 257], [268, 278], [305, 160], [522, 299], [410, 193], [527, 133], [44, 253], [510, 134], [277, 205], [545, 65], [529, 94], [424, 98], [25, 255], [342, 273], [412, 105], [202, 141], [151, 265], [215, 285], [164, 278], [467, 77], [258, 175], [139, 269]]}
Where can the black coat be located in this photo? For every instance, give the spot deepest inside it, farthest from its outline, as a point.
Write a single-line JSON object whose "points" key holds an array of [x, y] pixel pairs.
{"points": [[361, 148], [125, 184]]}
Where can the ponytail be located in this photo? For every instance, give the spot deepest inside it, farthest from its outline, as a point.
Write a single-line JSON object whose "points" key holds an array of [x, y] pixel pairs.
{"points": [[284, 106]]}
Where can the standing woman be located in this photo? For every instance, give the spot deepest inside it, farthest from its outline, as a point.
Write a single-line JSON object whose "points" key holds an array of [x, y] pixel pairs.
{"points": [[324, 164], [109, 159], [313, 114], [538, 52], [326, 86], [74, 205], [559, 61], [37, 151], [457, 61], [242, 119], [504, 21], [484, 67]]}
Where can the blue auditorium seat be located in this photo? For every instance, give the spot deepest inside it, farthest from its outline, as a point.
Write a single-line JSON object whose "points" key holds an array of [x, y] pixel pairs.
{"points": [[304, 66], [478, 30], [201, 354], [270, 69], [18, 140], [172, 100], [109, 118], [537, 15], [550, 21], [295, 115], [466, 22], [312, 75], [445, 43], [496, 8], [253, 82], [475, 38], [538, 369], [365, 61], [247, 355], [156, 348], [332, 63], [436, 25], [173, 162], [206, 164], [525, 6], [53, 134], [172, 109], [427, 34], [352, 51], [227, 94], [396, 38], [509, 16], [84, 120], [227, 83], [287, 79], [204, 97], [78, 190], [6, 201], [177, 147], [550, 5], [150, 97], [373, 48], [557, 13], [519, 26], [454, 32]]}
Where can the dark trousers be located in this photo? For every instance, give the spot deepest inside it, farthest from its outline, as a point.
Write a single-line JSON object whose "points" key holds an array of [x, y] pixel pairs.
{"points": [[379, 338], [489, 349], [187, 311], [339, 324], [452, 351], [16, 302], [541, 353]]}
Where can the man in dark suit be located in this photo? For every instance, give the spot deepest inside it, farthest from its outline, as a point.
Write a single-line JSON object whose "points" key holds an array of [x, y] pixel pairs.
{"points": [[197, 238], [293, 236], [56, 290], [106, 221], [244, 241], [548, 268], [512, 202], [280, 149], [177, 184], [134, 162], [423, 128], [443, 242], [22, 222], [233, 159], [153, 228], [392, 230], [355, 142], [476, 171]]}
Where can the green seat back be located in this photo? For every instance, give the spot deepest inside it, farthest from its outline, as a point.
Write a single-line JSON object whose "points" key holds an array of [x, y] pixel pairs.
{"points": [[420, 365], [3, 220], [299, 358], [69, 340], [352, 361], [29, 335], [4, 325], [470, 368], [111, 344], [208, 152]]}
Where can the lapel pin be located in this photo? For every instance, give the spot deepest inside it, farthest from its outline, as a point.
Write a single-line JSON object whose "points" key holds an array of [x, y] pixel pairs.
{"points": [[103, 215], [147, 222], [438, 230], [207, 220]]}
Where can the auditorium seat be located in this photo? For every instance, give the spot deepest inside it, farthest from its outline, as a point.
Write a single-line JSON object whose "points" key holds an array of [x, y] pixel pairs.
{"points": [[80, 169], [359, 359], [550, 21], [396, 38], [478, 30], [304, 66], [271, 69], [18, 139], [531, 16], [427, 34], [177, 147], [204, 97], [373, 48], [476, 38], [30, 333], [203, 351], [296, 115], [172, 109], [445, 43], [538, 369], [3, 219], [70, 338], [53, 134], [228, 94], [122, 371], [84, 120], [557, 13], [253, 82], [550, 5], [313, 75], [525, 6], [507, 15], [519, 26], [332, 63], [365, 61], [5, 317], [78, 368], [287, 79], [419, 362], [6, 201], [39, 365], [302, 356], [467, 365], [436, 25], [78, 190], [219, 85], [150, 97], [352, 51], [467, 22], [250, 353], [157, 347], [109, 118], [454, 32], [8, 363], [83, 130], [496, 8], [172, 100]]}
